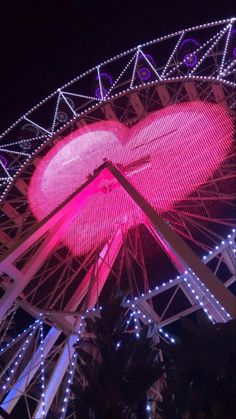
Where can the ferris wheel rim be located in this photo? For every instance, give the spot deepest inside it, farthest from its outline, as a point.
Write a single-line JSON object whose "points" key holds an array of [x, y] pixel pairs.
{"points": [[52, 132], [115, 57], [86, 112]]}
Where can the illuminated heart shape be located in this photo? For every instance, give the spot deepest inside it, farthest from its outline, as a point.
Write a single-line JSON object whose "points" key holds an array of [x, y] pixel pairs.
{"points": [[167, 155]]}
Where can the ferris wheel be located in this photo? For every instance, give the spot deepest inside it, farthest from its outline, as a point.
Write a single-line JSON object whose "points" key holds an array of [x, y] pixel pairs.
{"points": [[123, 177]]}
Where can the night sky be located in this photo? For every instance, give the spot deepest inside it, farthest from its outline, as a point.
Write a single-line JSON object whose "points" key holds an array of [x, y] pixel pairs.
{"points": [[44, 44]]}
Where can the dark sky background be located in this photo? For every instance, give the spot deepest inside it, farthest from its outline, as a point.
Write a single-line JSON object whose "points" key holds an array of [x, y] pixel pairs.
{"points": [[44, 44]]}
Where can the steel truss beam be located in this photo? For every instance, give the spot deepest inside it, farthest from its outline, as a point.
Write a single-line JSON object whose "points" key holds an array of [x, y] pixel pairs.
{"points": [[178, 249], [103, 267], [55, 225]]}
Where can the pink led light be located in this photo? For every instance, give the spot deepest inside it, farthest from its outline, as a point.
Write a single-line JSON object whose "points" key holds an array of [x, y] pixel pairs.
{"points": [[167, 155]]}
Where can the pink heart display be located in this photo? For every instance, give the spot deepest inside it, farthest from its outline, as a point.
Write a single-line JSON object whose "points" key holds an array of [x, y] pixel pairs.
{"points": [[167, 155]]}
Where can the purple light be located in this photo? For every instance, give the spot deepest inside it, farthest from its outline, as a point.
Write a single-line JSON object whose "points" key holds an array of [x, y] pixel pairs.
{"points": [[144, 74], [188, 42], [3, 160], [105, 76], [190, 60], [234, 52], [98, 92]]}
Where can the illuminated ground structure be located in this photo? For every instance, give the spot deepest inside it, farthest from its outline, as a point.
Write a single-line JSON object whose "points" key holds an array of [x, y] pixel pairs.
{"points": [[123, 177]]}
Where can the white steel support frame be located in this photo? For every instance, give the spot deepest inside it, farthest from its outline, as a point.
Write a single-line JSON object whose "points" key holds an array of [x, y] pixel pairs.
{"points": [[221, 76], [55, 225], [187, 258], [188, 279], [29, 371], [144, 308], [103, 267]]}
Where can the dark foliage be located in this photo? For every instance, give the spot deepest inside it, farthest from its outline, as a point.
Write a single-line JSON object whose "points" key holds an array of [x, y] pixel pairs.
{"points": [[201, 376], [118, 368]]}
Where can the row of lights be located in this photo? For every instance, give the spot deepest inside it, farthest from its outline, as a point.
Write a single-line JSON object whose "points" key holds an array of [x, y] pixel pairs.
{"points": [[136, 314], [71, 372], [42, 366], [120, 75], [139, 51], [19, 336], [209, 41], [198, 299], [19, 142], [224, 243], [226, 69], [56, 111], [209, 49], [172, 282], [215, 303], [135, 66], [17, 359], [74, 358], [92, 107], [174, 34], [173, 53], [225, 51]]}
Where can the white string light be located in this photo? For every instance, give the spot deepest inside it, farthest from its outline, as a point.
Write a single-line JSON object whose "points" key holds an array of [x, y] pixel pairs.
{"points": [[17, 359], [136, 322], [154, 41], [37, 126], [194, 282], [211, 298], [137, 314], [78, 95], [135, 66], [209, 50], [173, 53], [199, 299], [120, 75], [72, 365], [229, 21], [225, 50], [56, 112], [42, 366], [196, 51], [150, 64], [226, 69], [71, 371], [19, 336]]}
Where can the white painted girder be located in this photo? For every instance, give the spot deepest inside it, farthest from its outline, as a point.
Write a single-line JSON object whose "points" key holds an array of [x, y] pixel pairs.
{"points": [[55, 225], [177, 246], [29, 371], [104, 265]]}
